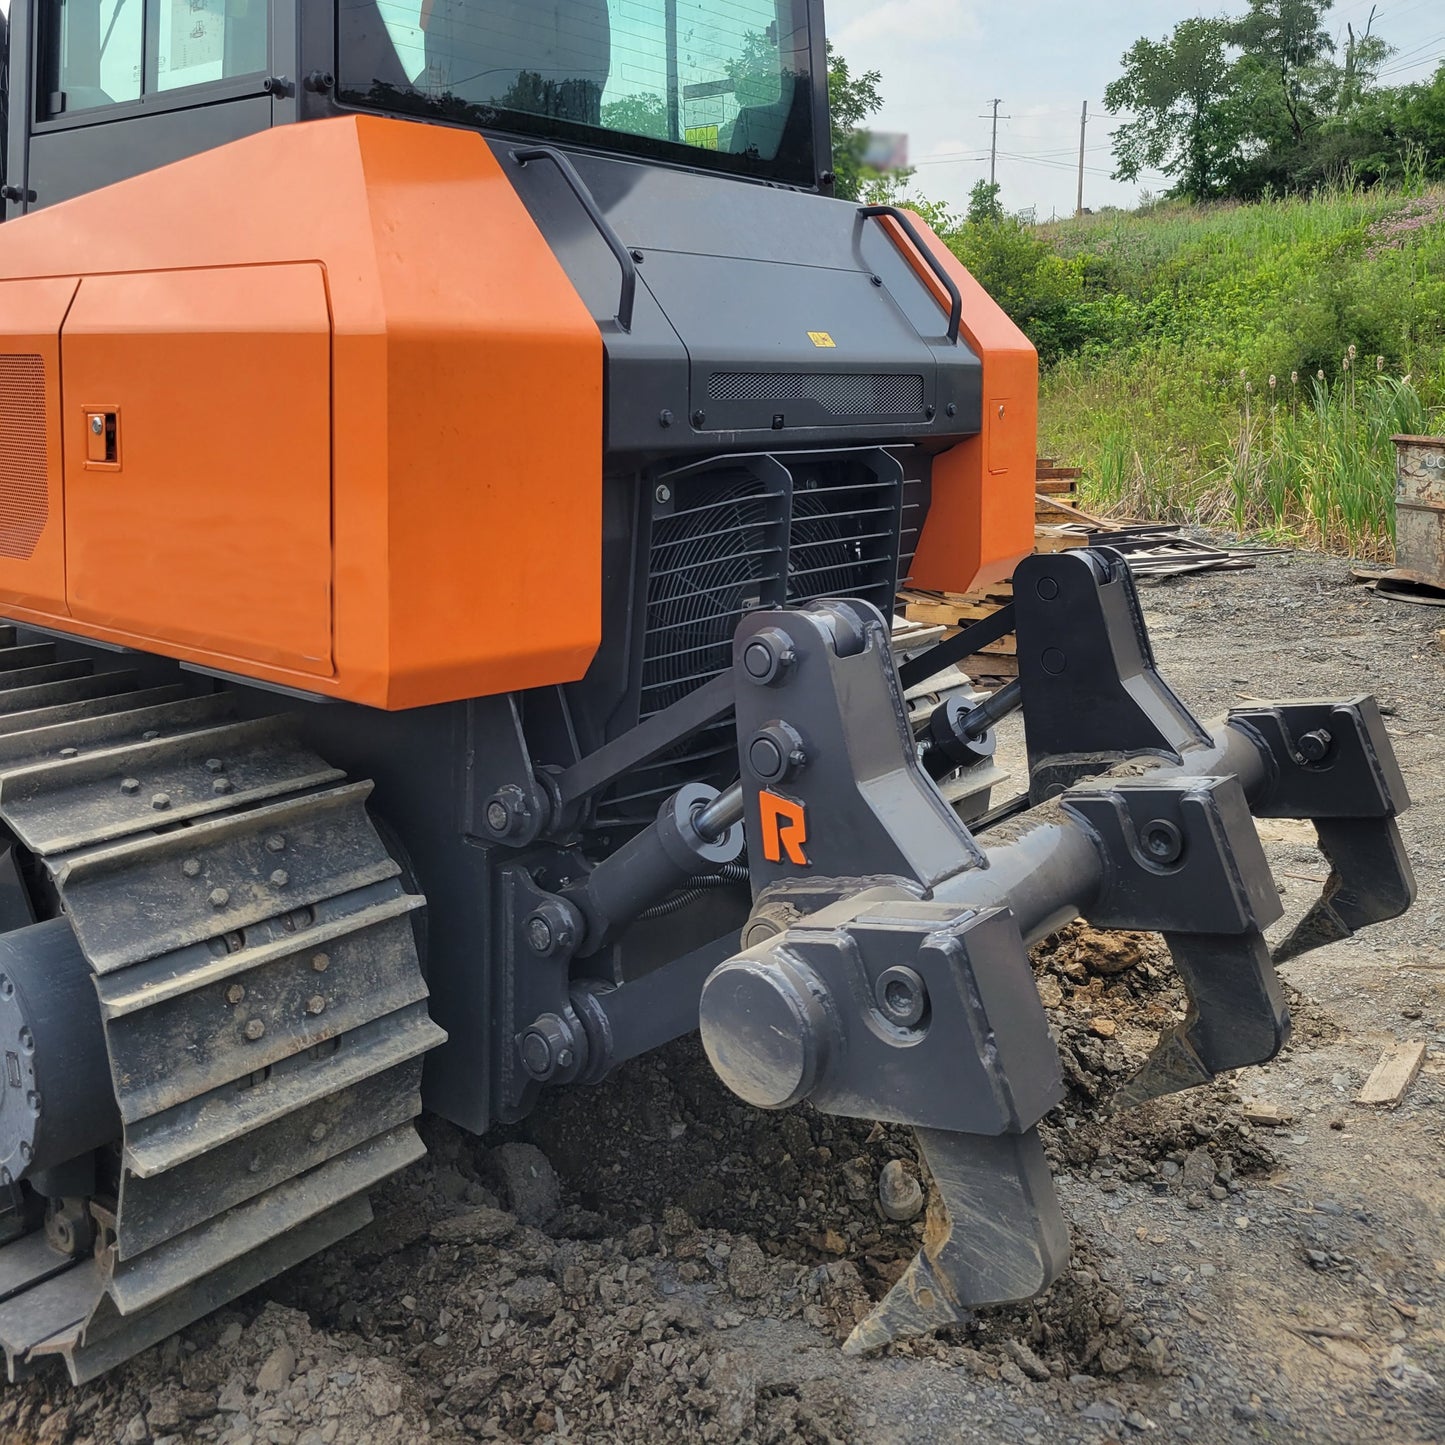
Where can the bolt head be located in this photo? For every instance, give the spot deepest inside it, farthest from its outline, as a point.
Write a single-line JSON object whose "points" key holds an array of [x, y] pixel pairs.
{"points": [[536, 1055], [191, 868], [321, 963], [97, 425], [275, 843], [215, 765], [315, 1004], [539, 934], [318, 1133], [254, 1029], [497, 816], [235, 994], [1162, 841], [130, 785], [161, 801], [221, 786], [664, 492], [220, 897], [280, 878]]}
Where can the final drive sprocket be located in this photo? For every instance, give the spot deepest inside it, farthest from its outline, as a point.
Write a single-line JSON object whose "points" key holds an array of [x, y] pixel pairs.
{"points": [[261, 1010]]}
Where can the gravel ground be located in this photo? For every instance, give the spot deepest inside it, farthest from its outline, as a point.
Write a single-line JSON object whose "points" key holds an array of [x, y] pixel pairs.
{"points": [[653, 1261]]}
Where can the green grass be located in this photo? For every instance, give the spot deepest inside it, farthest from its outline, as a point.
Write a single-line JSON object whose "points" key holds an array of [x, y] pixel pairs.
{"points": [[1246, 366]]}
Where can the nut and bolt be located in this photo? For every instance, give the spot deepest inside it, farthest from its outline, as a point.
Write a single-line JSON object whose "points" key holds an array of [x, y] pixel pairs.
{"points": [[160, 801], [548, 1047], [551, 928], [321, 963], [664, 492], [220, 897], [221, 786], [1314, 746], [275, 843], [280, 878], [215, 765], [315, 1004], [236, 993], [191, 868], [130, 785], [508, 812], [254, 1029]]}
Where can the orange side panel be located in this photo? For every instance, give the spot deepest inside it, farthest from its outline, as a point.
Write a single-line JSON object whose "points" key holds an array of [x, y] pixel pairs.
{"points": [[465, 543], [212, 528], [981, 519], [32, 539]]}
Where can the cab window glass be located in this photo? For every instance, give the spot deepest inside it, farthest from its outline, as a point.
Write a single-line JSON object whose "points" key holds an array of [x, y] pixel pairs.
{"points": [[200, 40], [101, 49], [108, 52]]}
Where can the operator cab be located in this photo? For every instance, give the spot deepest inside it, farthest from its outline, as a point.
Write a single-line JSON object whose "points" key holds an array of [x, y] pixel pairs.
{"points": [[104, 89]]}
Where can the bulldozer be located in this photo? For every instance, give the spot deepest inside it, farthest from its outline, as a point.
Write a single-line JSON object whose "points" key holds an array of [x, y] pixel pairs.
{"points": [[457, 463]]}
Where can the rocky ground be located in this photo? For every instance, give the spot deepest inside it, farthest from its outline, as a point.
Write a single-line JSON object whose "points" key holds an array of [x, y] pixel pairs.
{"points": [[653, 1261]]}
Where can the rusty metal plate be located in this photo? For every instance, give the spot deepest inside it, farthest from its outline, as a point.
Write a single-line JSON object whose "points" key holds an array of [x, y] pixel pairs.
{"points": [[143, 898], [96, 797]]}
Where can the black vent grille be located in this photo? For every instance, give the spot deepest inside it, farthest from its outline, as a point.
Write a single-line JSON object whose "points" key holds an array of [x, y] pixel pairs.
{"points": [[859, 394], [737, 539]]}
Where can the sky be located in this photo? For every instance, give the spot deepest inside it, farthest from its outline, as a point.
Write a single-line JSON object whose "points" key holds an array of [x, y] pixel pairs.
{"points": [[944, 61]]}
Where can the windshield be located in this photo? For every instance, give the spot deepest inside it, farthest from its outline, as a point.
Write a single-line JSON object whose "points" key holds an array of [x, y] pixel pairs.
{"points": [[712, 82]]}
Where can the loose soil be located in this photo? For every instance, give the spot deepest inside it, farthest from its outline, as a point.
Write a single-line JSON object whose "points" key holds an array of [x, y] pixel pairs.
{"points": [[653, 1261]]}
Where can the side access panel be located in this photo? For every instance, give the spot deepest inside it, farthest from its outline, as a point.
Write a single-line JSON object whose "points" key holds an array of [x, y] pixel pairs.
{"points": [[197, 438], [32, 552]]}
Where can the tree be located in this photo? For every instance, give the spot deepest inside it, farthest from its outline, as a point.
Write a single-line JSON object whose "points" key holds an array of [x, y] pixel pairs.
{"points": [[851, 100], [1176, 89], [1286, 41], [642, 114], [983, 203]]}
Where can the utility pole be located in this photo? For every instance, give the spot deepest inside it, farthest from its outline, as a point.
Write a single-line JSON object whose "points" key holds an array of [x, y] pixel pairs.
{"points": [[1083, 131], [993, 150]]}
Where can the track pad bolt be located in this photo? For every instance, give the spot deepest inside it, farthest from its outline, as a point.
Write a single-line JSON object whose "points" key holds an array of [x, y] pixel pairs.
{"points": [[130, 785], [235, 994], [220, 897], [191, 868], [221, 786], [1162, 841], [315, 1004], [161, 801], [321, 963], [254, 1029], [280, 878], [899, 1193], [275, 843]]}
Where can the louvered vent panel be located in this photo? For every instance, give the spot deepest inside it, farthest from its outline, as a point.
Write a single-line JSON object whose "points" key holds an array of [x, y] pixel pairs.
{"points": [[24, 493], [730, 546], [843, 394]]}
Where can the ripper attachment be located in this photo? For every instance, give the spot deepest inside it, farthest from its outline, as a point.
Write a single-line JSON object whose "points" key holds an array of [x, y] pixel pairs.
{"points": [[884, 972]]}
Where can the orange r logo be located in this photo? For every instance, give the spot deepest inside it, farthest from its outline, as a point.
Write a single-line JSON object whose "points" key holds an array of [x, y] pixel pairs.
{"points": [[785, 829]]}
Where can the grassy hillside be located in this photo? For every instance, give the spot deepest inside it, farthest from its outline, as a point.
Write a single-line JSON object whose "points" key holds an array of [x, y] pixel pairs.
{"points": [[1245, 365]]}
